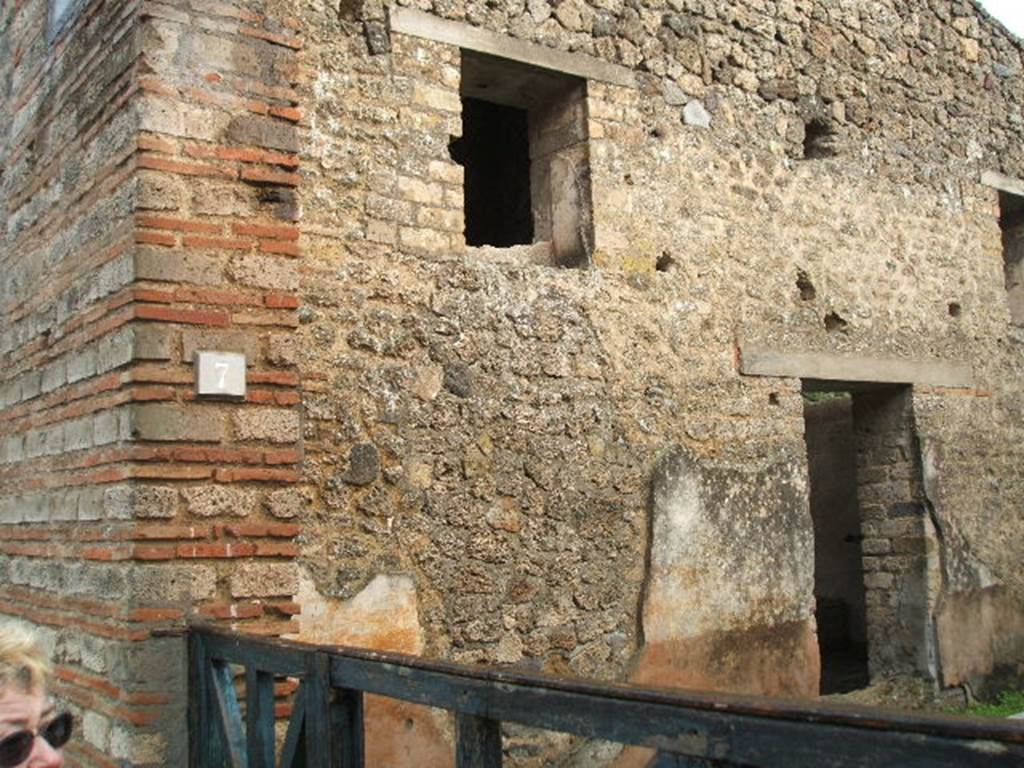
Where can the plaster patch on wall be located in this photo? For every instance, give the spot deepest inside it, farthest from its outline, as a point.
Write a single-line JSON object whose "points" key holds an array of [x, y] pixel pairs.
{"points": [[384, 616], [750, 529], [726, 526]]}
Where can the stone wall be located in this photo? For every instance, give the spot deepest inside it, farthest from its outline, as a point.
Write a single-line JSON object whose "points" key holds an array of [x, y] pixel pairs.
{"points": [[440, 367], [492, 456]]}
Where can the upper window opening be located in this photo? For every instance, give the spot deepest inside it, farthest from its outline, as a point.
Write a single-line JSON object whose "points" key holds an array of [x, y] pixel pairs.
{"points": [[495, 152], [526, 160], [1011, 222]]}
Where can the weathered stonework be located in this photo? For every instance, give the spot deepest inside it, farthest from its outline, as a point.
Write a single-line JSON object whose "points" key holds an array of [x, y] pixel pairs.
{"points": [[569, 464]]}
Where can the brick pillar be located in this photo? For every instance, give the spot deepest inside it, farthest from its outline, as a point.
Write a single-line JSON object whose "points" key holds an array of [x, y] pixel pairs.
{"points": [[896, 532], [149, 203]]}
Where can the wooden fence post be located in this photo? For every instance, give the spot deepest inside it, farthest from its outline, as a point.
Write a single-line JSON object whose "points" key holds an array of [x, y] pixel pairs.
{"points": [[478, 742]]}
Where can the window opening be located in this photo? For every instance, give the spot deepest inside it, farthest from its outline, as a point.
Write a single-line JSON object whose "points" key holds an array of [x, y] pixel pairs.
{"points": [[526, 158], [495, 152], [1011, 222]]}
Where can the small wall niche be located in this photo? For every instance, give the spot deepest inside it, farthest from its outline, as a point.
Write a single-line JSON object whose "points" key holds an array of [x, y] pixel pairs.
{"points": [[819, 140], [1011, 222], [526, 160]]}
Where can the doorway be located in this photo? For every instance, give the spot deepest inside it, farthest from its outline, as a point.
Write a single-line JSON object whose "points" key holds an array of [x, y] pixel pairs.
{"points": [[870, 533]]}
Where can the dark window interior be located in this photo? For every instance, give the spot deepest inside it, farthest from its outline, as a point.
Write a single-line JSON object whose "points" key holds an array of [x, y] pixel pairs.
{"points": [[494, 150]]}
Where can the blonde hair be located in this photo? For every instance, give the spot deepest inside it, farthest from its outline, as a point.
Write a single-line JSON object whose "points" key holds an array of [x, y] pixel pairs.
{"points": [[21, 661]]}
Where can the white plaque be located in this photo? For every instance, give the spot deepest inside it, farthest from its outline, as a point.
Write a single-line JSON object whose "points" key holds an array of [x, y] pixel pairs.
{"points": [[220, 374]]}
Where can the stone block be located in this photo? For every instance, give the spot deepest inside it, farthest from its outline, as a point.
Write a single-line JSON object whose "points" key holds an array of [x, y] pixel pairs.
{"points": [[179, 118], [445, 172], [31, 384], [160, 191], [37, 508], [78, 434], [417, 23], [12, 510], [288, 503], [55, 375], [434, 97], [90, 503], [218, 198], [218, 500], [64, 505], [153, 342], [81, 365], [10, 393], [854, 368], [442, 219], [422, 239], [153, 263], [266, 272], [106, 427], [260, 131], [52, 440], [174, 422], [115, 350], [419, 191], [124, 502], [363, 464], [12, 449], [96, 730], [172, 582], [265, 580], [103, 581], [876, 546], [878, 580], [34, 443], [278, 425], [282, 349]]}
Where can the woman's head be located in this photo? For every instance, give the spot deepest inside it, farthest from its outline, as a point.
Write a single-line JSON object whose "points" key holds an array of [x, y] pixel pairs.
{"points": [[31, 732]]}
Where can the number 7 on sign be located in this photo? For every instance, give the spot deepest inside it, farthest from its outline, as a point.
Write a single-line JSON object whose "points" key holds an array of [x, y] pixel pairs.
{"points": [[220, 374], [222, 368]]}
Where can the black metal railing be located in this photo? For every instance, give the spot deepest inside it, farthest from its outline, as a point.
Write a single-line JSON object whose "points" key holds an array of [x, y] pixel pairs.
{"points": [[685, 729]]}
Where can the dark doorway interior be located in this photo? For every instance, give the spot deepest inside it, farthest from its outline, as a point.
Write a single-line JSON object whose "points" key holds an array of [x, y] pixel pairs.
{"points": [[1011, 222], [838, 563], [494, 150]]}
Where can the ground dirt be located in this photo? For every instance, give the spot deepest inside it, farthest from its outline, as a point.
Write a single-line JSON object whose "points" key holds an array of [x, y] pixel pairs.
{"points": [[909, 694]]}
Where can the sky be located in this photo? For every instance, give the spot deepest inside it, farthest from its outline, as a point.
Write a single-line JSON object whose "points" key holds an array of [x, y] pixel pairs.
{"points": [[1010, 12]]}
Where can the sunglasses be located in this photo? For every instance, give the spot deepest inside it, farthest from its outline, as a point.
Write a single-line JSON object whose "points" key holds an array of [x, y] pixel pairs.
{"points": [[16, 748]]}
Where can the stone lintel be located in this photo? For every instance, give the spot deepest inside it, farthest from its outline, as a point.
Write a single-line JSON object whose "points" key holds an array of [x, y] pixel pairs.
{"points": [[854, 368], [1003, 183], [409, 21]]}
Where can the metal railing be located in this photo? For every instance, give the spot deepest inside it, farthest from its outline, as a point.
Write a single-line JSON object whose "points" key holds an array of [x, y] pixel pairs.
{"points": [[684, 728]]}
